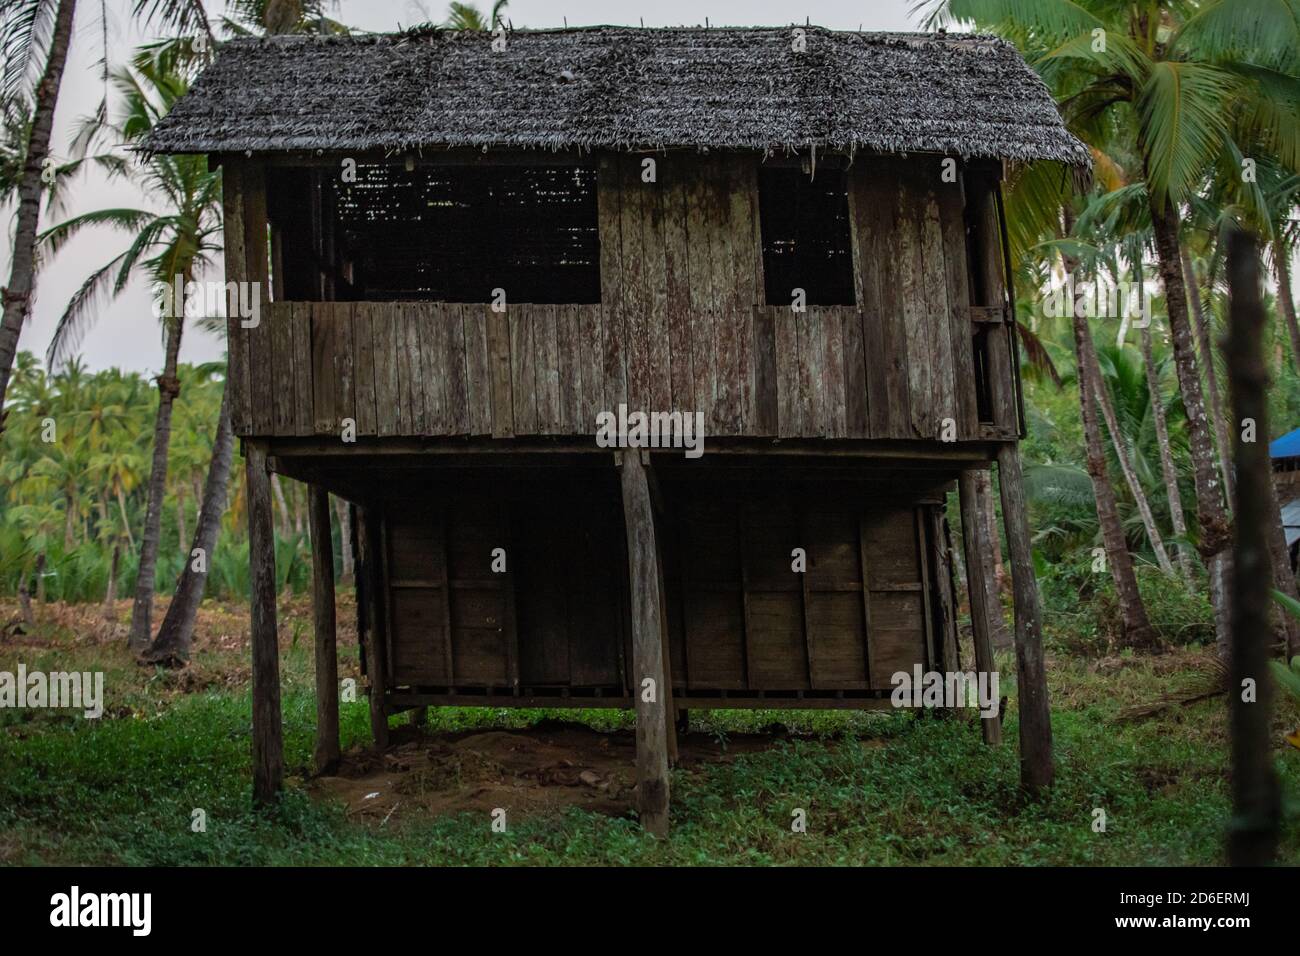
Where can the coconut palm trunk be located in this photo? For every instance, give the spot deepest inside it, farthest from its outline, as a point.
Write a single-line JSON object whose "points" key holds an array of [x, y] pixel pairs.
{"points": [[1282, 265], [168, 389], [1133, 613], [18, 291], [176, 635], [1215, 538], [1167, 469], [1218, 419]]}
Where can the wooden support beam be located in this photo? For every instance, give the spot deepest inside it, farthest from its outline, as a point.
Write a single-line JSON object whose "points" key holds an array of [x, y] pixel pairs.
{"points": [[323, 617], [1036, 769], [371, 578], [268, 746], [980, 613], [648, 657]]}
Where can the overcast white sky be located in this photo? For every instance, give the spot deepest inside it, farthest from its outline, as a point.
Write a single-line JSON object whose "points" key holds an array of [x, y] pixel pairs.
{"points": [[126, 334]]}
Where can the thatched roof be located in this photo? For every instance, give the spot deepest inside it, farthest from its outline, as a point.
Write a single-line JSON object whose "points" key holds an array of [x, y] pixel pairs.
{"points": [[623, 88]]}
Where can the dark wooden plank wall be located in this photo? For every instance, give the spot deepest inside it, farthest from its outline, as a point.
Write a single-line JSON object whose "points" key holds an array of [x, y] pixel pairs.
{"points": [[682, 326], [875, 599]]}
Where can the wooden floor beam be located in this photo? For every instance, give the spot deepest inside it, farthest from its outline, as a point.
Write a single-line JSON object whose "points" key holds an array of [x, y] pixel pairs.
{"points": [[268, 746], [980, 612], [1036, 768], [323, 617], [648, 655]]}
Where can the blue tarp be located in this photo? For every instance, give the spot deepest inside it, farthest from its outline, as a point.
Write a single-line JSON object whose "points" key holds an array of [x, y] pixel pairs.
{"points": [[1288, 446]]}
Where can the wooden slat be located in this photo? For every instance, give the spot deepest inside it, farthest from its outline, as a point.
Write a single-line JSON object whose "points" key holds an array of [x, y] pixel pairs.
{"points": [[957, 282], [763, 419], [523, 320], [856, 424], [657, 346], [304, 370], [883, 345], [609, 219], [790, 402], [457, 371], [833, 372], [703, 300], [478, 387], [937, 313], [344, 395], [673, 180], [363, 367], [284, 394], [590, 322], [570, 347], [402, 370], [236, 271], [812, 376], [909, 260], [727, 386], [635, 299], [431, 327], [416, 319], [500, 374], [547, 368], [322, 357], [384, 322], [746, 273], [260, 349]]}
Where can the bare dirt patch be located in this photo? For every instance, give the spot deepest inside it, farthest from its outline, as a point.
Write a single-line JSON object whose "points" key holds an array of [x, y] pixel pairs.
{"points": [[548, 767]]}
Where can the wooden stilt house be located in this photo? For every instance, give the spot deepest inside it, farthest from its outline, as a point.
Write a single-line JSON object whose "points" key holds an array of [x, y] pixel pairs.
{"points": [[466, 251]]}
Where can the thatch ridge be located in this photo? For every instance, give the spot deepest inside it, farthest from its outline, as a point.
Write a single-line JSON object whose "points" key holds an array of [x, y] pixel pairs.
{"points": [[613, 87]]}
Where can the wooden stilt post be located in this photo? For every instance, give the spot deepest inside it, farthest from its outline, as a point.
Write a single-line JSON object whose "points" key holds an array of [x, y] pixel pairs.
{"points": [[976, 572], [670, 709], [323, 617], [652, 715], [1036, 769], [268, 748], [371, 578]]}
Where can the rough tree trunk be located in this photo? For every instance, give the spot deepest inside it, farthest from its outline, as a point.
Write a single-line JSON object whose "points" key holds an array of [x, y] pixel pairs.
{"points": [[18, 292], [180, 521], [1211, 515], [168, 389], [1167, 469], [344, 514], [1137, 629], [1204, 341], [177, 632], [1283, 267], [1253, 835]]}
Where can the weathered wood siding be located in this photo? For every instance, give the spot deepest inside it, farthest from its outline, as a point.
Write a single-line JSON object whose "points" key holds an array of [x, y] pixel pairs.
{"points": [[682, 325], [875, 599]]}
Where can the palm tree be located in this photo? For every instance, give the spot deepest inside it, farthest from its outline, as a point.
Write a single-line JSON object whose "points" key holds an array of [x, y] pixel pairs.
{"points": [[466, 16], [167, 247], [1176, 83], [32, 30]]}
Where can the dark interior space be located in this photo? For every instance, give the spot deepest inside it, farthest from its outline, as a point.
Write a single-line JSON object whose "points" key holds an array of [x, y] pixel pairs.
{"points": [[806, 236], [439, 233]]}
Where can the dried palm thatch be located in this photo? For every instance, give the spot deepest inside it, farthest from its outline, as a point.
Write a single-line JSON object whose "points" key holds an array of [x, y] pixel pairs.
{"points": [[624, 88]]}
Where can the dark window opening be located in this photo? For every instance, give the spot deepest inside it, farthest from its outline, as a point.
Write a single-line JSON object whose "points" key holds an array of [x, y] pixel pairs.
{"points": [[807, 242], [448, 233]]}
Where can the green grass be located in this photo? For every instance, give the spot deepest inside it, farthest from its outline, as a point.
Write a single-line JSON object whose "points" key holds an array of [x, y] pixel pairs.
{"points": [[877, 789]]}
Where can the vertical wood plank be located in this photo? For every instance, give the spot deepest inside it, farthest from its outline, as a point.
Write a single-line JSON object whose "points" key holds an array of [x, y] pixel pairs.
{"points": [[832, 321], [937, 312], [746, 272], [284, 393], [609, 217], [304, 368], [957, 283], [547, 368], [500, 373], [383, 324], [458, 416], [764, 419], [260, 348], [322, 360], [703, 301], [431, 326], [789, 383], [344, 396], [920, 389], [593, 369], [570, 346], [981, 613], [727, 384], [636, 317], [677, 284], [478, 382], [657, 345], [237, 272], [856, 422], [523, 319], [363, 351], [416, 316]]}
